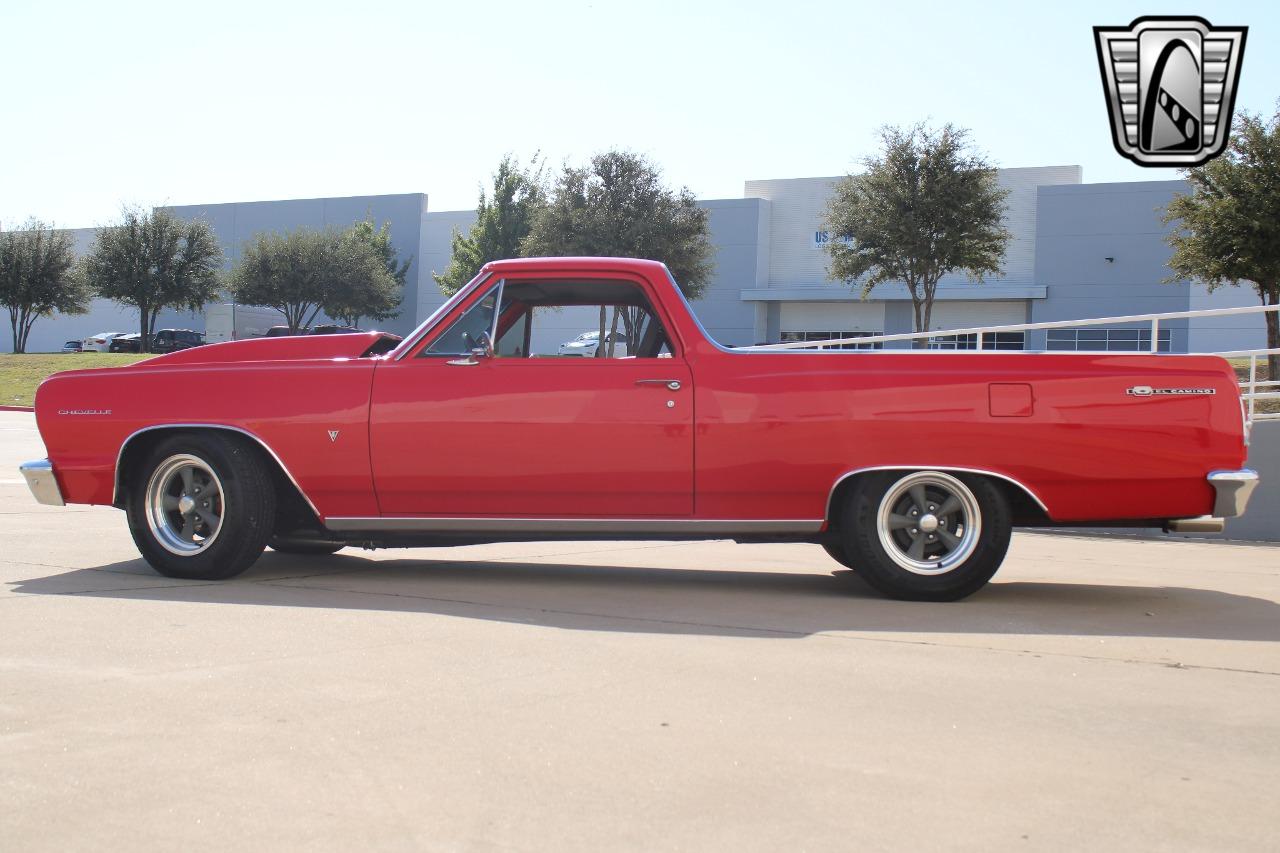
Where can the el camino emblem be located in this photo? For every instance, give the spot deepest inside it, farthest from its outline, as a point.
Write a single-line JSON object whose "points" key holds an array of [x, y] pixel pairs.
{"points": [[333, 435], [1148, 391], [84, 411]]}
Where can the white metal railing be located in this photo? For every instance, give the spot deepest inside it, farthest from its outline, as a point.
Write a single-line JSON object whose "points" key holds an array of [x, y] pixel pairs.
{"points": [[1252, 389], [1249, 387]]}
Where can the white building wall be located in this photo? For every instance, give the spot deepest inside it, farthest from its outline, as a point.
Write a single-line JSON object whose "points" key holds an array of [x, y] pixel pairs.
{"points": [[832, 317], [967, 315], [799, 206], [1222, 334], [436, 241]]}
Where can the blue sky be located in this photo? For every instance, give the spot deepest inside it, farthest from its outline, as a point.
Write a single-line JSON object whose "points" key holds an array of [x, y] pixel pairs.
{"points": [[182, 103]]}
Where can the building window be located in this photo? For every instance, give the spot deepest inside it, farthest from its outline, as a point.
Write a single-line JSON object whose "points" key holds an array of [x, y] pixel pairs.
{"points": [[1107, 340], [792, 337], [990, 340]]}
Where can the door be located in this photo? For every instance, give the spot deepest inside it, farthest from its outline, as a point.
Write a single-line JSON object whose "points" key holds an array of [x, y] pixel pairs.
{"points": [[528, 432]]}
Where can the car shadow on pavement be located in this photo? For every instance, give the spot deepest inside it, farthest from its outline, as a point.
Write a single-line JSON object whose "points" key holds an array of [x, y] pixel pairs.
{"points": [[726, 602]]}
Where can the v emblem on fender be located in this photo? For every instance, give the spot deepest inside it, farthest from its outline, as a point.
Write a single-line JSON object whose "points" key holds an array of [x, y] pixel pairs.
{"points": [[333, 435]]}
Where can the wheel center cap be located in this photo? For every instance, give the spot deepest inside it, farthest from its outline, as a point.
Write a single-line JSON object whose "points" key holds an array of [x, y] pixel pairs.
{"points": [[186, 503], [928, 523]]}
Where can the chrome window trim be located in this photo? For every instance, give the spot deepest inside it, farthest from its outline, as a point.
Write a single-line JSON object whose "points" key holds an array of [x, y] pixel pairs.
{"points": [[493, 326], [944, 468], [115, 494], [572, 525], [428, 324]]}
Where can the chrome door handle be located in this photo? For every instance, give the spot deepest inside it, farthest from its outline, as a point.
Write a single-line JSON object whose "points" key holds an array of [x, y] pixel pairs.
{"points": [[671, 384]]}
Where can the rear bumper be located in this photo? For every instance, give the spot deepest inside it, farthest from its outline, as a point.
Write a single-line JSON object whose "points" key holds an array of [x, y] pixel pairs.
{"points": [[43, 484], [1232, 491]]}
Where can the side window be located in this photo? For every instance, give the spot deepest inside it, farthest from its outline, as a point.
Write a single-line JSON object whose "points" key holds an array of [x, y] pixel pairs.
{"points": [[464, 335], [593, 319]]}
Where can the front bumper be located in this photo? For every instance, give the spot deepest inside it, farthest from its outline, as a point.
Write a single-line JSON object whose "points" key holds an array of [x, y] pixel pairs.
{"points": [[1232, 489], [42, 483]]}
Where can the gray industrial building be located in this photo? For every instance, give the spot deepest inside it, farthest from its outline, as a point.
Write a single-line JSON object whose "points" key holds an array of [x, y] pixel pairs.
{"points": [[1077, 251]]}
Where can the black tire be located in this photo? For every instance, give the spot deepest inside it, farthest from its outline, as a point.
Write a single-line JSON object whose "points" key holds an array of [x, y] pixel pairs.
{"points": [[286, 546], [229, 476], [939, 570], [835, 550]]}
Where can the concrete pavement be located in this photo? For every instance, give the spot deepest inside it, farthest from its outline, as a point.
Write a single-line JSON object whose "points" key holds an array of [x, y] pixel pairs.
{"points": [[628, 695]]}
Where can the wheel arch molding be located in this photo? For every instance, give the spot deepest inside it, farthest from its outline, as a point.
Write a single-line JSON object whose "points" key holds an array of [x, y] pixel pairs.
{"points": [[139, 439], [845, 479]]}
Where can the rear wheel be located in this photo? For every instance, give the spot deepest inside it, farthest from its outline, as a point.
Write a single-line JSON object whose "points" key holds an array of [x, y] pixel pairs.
{"points": [[201, 506], [925, 535]]}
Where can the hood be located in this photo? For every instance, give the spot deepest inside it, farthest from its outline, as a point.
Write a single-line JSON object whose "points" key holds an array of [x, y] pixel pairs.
{"points": [[299, 348]]}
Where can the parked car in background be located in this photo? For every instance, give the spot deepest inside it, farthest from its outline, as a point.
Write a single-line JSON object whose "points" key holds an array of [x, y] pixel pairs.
{"points": [[125, 343], [73, 346], [172, 340], [100, 342], [586, 344], [333, 329], [283, 332]]}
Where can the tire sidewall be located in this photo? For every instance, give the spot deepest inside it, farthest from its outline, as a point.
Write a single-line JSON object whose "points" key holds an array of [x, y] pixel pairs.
{"points": [[862, 541]]}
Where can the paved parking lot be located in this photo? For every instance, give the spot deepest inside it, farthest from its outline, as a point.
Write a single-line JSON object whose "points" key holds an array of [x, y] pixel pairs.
{"points": [[626, 695]]}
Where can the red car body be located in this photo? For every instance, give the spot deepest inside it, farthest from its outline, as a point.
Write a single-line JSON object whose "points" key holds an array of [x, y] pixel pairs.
{"points": [[752, 444]]}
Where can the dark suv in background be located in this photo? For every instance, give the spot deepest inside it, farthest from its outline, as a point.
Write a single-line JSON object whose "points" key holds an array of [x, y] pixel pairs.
{"points": [[165, 340], [172, 340]]}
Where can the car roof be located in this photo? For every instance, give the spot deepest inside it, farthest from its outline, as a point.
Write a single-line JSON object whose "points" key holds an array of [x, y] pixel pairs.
{"points": [[577, 264]]}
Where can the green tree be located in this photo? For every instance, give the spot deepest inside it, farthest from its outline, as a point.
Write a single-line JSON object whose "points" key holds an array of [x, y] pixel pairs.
{"points": [[152, 261], [617, 206], [38, 276], [303, 272], [378, 240], [372, 282], [926, 206], [1228, 228], [503, 220]]}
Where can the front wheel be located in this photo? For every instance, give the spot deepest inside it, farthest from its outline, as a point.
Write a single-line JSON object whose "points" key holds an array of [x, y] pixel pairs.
{"points": [[926, 535], [201, 506], [835, 550]]}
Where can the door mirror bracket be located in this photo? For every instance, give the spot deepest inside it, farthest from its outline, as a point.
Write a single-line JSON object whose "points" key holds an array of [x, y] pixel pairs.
{"points": [[483, 349]]}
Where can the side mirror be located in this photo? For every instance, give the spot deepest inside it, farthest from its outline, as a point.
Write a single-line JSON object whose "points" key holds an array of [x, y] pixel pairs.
{"points": [[483, 349]]}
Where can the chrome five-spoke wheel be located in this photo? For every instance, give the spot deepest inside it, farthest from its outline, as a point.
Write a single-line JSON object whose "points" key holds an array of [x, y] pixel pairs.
{"points": [[924, 535], [201, 505], [185, 504], [929, 523]]}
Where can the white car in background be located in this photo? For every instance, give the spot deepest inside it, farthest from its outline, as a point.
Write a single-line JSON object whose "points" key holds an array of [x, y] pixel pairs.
{"points": [[100, 342], [586, 344]]}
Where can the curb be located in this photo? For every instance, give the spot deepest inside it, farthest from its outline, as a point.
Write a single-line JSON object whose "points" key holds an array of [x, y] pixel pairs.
{"points": [[17, 409]]}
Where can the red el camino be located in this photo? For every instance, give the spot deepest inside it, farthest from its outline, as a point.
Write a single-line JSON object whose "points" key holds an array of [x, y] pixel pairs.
{"points": [[909, 467]]}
